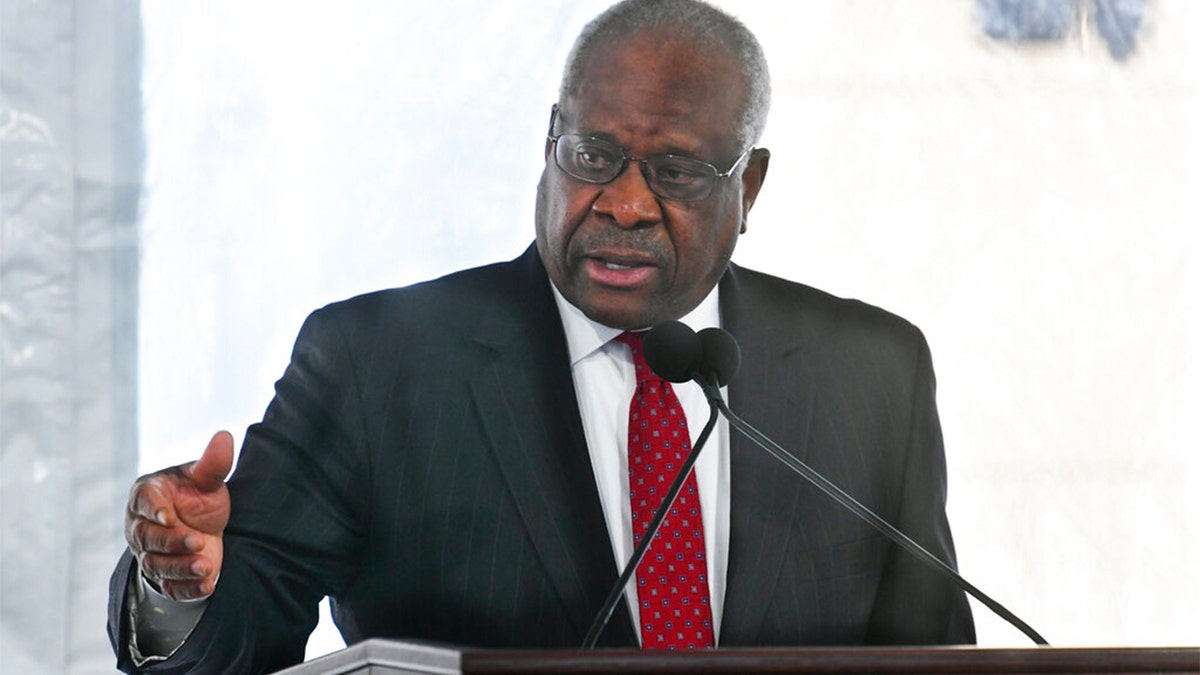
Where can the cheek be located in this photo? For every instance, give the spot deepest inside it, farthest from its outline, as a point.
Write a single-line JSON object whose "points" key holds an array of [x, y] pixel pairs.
{"points": [[707, 236], [561, 210], [729, 221], [549, 211], [704, 249]]}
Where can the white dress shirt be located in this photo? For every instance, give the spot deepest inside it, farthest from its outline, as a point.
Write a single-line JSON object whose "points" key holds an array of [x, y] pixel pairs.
{"points": [[604, 383]]}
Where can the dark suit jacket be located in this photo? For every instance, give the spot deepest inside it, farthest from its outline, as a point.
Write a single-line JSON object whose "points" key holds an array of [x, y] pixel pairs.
{"points": [[424, 463]]}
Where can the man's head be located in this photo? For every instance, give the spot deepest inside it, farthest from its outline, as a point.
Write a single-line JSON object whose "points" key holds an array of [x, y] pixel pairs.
{"points": [[651, 78]]}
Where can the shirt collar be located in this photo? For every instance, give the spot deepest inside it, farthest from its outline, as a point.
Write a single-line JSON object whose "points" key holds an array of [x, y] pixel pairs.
{"points": [[585, 336]]}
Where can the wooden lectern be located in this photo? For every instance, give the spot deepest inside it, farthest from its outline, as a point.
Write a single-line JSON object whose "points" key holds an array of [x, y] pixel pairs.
{"points": [[388, 657]]}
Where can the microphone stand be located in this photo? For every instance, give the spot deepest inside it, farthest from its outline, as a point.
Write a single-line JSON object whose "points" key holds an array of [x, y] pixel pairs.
{"points": [[825, 485], [614, 597]]}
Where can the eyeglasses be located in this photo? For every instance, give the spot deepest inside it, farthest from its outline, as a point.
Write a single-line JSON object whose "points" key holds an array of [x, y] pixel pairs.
{"points": [[594, 160]]}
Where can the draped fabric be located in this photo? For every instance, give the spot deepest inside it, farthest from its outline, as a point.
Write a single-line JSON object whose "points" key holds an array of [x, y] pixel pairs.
{"points": [[70, 180]]}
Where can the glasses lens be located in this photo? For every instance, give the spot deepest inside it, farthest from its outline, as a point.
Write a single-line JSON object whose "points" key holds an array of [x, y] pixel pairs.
{"points": [[680, 178], [588, 159], [595, 161]]}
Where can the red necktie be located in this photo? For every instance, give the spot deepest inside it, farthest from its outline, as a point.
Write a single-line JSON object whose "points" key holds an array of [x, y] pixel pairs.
{"points": [[672, 579]]}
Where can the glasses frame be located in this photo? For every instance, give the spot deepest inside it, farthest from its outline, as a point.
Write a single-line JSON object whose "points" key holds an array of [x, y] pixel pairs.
{"points": [[627, 159]]}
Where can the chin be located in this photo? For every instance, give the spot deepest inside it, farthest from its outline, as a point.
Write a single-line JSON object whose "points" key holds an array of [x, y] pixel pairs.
{"points": [[616, 317], [618, 321]]}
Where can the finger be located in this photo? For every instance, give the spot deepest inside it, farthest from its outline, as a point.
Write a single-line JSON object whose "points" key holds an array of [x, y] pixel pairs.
{"points": [[209, 472], [148, 500], [150, 537], [188, 590], [161, 568]]}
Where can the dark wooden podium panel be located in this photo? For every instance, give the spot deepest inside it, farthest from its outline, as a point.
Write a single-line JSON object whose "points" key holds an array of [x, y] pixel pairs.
{"points": [[384, 657]]}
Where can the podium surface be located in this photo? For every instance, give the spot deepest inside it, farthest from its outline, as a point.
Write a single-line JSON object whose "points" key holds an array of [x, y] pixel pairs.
{"points": [[388, 657]]}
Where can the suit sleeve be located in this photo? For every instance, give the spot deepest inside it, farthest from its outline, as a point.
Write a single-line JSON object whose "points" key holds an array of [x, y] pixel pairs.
{"points": [[296, 525], [914, 603]]}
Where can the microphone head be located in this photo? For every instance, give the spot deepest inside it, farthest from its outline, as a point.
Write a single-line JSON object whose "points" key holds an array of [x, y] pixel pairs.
{"points": [[722, 355], [672, 351]]}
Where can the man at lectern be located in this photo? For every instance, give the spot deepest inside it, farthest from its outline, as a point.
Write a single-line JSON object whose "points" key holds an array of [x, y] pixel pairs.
{"points": [[470, 460]]}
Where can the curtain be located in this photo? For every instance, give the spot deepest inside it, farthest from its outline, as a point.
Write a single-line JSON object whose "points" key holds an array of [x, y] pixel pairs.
{"points": [[70, 173]]}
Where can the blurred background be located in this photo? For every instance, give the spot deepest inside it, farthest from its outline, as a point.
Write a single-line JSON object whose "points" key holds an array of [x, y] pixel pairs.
{"points": [[182, 182]]}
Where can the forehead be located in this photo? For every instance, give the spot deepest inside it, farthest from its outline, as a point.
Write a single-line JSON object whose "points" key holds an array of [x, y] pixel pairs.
{"points": [[653, 92]]}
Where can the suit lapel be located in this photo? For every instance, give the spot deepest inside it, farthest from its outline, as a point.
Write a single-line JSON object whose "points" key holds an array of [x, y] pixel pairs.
{"points": [[526, 400], [770, 393]]}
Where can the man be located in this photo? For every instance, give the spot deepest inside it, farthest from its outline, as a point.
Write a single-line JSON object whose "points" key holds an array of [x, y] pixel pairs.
{"points": [[447, 460]]}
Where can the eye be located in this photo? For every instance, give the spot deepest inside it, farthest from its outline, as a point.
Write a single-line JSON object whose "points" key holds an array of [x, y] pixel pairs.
{"points": [[595, 157], [678, 172]]}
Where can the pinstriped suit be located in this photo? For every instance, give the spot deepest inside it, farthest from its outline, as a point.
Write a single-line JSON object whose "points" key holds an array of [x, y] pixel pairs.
{"points": [[423, 462]]}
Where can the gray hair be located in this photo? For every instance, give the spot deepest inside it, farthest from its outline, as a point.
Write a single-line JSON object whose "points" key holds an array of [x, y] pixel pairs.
{"points": [[703, 24]]}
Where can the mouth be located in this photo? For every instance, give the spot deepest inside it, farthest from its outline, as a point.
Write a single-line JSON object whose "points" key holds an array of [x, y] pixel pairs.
{"points": [[625, 270], [621, 265]]}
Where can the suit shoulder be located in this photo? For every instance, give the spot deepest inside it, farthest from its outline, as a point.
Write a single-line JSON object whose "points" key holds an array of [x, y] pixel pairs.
{"points": [[455, 297], [795, 307]]}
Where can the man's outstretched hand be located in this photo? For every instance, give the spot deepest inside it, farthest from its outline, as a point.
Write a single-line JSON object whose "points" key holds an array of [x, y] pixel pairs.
{"points": [[175, 519]]}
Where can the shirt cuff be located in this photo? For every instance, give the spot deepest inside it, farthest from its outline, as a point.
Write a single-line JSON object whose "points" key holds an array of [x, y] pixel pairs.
{"points": [[159, 625]]}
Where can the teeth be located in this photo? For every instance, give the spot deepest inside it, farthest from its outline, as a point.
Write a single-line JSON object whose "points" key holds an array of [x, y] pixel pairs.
{"points": [[615, 266]]}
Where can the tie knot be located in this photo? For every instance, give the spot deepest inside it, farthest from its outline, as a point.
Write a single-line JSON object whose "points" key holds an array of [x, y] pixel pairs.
{"points": [[634, 340]]}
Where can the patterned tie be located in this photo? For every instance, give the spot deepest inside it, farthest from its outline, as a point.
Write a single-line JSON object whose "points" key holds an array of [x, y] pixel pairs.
{"points": [[672, 579]]}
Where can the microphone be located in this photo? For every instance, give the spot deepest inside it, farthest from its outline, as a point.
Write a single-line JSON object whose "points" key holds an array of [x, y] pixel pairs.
{"points": [[673, 351], [719, 360], [721, 357], [676, 353]]}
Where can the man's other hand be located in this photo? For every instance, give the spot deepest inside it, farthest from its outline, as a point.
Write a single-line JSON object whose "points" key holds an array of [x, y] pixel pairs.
{"points": [[175, 519]]}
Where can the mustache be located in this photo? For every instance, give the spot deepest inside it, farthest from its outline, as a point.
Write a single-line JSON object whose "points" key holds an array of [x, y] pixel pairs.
{"points": [[617, 238]]}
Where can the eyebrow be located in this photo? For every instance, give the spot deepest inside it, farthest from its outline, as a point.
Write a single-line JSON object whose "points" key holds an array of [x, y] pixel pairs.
{"points": [[605, 136], [674, 151]]}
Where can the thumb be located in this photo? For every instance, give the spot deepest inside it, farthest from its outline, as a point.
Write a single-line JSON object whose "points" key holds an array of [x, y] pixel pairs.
{"points": [[209, 472]]}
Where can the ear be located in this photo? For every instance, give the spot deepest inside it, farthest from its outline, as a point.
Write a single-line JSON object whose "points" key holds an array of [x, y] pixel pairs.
{"points": [[752, 180]]}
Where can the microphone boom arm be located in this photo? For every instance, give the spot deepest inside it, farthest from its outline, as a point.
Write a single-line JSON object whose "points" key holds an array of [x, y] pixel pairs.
{"points": [[614, 597], [840, 496]]}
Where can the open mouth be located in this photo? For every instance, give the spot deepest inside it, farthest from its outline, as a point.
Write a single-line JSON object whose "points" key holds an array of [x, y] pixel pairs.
{"points": [[616, 266], [619, 271]]}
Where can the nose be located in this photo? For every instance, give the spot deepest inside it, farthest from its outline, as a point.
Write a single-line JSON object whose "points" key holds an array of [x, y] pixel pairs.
{"points": [[628, 199]]}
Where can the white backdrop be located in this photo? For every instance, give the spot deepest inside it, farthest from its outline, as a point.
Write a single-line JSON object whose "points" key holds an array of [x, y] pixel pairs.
{"points": [[1032, 208]]}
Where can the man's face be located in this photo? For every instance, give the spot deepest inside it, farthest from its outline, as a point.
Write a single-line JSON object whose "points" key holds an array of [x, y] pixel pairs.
{"points": [[623, 255]]}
